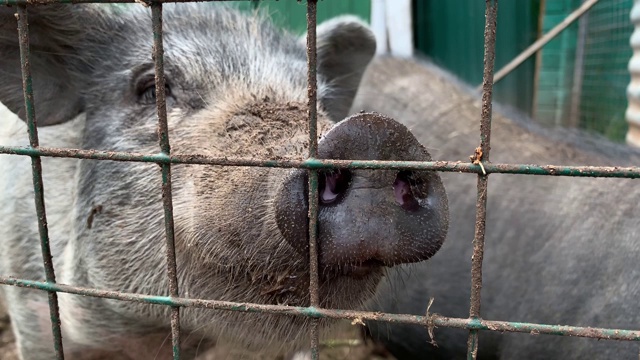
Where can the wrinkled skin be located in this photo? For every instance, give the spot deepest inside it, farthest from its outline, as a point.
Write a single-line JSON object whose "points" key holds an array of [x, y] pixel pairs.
{"points": [[236, 87], [558, 250]]}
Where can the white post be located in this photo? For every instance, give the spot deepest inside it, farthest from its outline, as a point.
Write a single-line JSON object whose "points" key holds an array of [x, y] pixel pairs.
{"points": [[392, 24], [379, 26], [633, 90], [400, 25]]}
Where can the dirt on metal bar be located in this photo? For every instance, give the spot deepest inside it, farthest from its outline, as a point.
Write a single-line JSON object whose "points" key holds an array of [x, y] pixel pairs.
{"points": [[312, 94], [167, 202], [485, 147], [38, 186]]}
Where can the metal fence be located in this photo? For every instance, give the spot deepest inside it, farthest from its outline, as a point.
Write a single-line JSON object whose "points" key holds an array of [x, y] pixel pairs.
{"points": [[605, 73], [583, 73], [482, 167]]}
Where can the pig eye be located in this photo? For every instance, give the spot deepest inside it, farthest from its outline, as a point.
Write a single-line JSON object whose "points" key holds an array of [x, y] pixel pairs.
{"points": [[147, 93]]}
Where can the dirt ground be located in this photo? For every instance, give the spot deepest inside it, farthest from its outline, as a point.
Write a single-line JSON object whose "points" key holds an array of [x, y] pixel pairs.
{"points": [[349, 347]]}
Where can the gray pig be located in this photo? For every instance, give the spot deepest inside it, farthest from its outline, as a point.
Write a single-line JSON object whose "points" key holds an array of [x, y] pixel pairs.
{"points": [[558, 250], [236, 87]]}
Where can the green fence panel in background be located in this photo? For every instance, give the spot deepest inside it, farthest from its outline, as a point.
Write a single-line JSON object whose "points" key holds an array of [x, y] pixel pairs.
{"points": [[451, 33], [603, 78], [557, 66], [291, 14], [603, 100]]}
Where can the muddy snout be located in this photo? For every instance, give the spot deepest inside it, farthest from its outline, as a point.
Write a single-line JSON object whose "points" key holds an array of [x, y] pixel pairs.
{"points": [[367, 218]]}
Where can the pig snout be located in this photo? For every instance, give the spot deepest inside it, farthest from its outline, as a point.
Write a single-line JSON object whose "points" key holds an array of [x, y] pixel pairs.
{"points": [[367, 218]]}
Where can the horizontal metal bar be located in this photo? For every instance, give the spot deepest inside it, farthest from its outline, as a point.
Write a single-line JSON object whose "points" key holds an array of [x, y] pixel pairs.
{"points": [[535, 329], [319, 313], [632, 172]]}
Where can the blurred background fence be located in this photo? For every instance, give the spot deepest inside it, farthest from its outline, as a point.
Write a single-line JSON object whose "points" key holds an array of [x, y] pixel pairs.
{"points": [[579, 79]]}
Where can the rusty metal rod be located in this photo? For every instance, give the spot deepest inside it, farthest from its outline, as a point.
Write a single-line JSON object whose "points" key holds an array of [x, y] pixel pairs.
{"points": [[482, 156], [312, 94], [632, 172], [319, 313], [38, 186], [167, 202]]}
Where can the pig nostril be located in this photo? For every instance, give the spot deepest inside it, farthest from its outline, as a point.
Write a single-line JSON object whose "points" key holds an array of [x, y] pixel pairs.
{"points": [[403, 192], [332, 185]]}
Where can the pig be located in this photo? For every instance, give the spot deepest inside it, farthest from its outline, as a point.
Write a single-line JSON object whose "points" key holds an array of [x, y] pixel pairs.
{"points": [[236, 87], [558, 250]]}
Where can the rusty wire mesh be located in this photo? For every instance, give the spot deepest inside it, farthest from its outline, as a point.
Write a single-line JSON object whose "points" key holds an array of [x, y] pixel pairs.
{"points": [[165, 159]]}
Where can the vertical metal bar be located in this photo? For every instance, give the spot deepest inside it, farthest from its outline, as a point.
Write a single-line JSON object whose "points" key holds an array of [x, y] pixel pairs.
{"points": [[313, 174], [311, 76], [485, 145], [38, 187], [163, 138]]}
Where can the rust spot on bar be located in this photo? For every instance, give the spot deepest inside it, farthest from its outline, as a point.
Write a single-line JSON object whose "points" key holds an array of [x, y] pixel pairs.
{"points": [[476, 159]]}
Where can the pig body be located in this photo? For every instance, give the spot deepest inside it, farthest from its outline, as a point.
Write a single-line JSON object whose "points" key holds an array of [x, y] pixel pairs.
{"points": [[236, 87], [558, 250]]}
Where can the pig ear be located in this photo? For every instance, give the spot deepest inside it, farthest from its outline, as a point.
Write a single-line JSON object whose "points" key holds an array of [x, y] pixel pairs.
{"points": [[345, 46], [54, 34]]}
